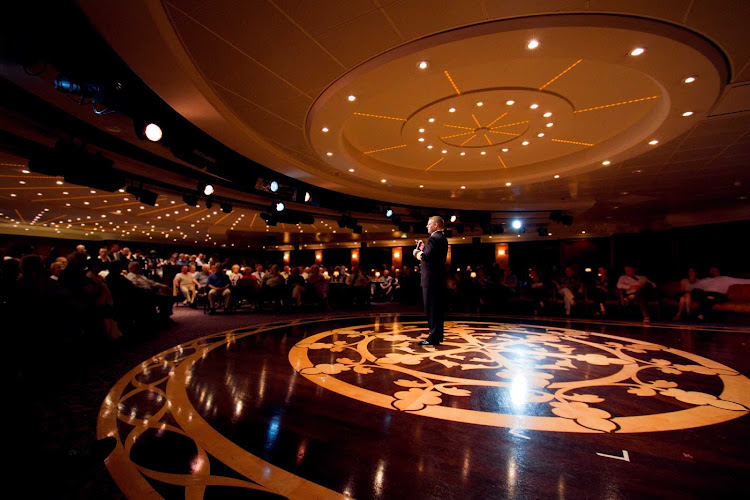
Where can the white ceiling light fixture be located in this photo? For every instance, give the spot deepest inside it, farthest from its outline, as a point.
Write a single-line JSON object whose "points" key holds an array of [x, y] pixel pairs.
{"points": [[153, 132], [451, 110], [653, 142], [532, 44], [352, 98], [534, 106], [687, 113], [606, 162], [480, 104], [324, 129], [637, 51], [510, 102], [689, 79], [423, 64]]}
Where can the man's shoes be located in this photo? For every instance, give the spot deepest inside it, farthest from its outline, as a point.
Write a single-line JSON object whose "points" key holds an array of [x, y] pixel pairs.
{"points": [[424, 342], [212, 311]]}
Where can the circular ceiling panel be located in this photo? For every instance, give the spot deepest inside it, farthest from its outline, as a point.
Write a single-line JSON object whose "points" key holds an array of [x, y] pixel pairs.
{"points": [[478, 107]]}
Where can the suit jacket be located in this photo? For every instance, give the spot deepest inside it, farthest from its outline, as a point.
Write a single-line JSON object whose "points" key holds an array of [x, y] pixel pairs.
{"points": [[433, 261]]}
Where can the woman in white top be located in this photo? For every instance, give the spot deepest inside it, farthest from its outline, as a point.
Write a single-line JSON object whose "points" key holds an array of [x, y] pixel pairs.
{"points": [[686, 286]]}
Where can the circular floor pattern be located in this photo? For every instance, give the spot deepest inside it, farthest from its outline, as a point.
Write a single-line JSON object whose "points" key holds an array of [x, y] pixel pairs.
{"points": [[523, 376], [228, 414]]}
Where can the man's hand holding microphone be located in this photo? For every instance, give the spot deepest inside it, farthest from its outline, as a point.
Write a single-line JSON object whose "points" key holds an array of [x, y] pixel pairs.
{"points": [[418, 248]]}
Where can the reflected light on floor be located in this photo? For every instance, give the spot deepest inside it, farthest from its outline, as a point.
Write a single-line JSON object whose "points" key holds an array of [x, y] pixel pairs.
{"points": [[518, 391]]}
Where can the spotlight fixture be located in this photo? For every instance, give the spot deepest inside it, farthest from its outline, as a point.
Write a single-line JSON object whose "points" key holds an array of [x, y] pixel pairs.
{"points": [[226, 207], [516, 224], [274, 186], [542, 231], [533, 44], [454, 218], [143, 195], [388, 211], [423, 64], [209, 202], [190, 199], [308, 197], [498, 229], [205, 188], [279, 206], [153, 132]]}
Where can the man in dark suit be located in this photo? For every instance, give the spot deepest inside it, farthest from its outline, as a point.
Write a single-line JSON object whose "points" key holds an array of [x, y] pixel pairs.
{"points": [[432, 257]]}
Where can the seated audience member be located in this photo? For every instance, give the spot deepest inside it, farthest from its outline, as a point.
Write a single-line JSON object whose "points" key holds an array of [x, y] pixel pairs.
{"points": [[188, 285], [297, 283], [234, 275], [55, 270], [159, 294], [286, 273], [273, 277], [103, 257], [686, 287], [635, 288], [509, 282], [602, 290], [200, 260], [568, 286], [202, 277], [713, 290], [218, 284], [318, 283], [386, 286], [104, 311], [536, 290], [259, 273]]}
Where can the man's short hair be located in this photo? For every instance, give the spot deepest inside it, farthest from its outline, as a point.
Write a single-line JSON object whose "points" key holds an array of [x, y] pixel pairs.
{"points": [[134, 265], [437, 220]]}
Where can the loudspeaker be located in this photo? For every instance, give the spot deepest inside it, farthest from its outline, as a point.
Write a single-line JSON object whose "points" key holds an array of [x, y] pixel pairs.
{"points": [[362, 244], [476, 240]]}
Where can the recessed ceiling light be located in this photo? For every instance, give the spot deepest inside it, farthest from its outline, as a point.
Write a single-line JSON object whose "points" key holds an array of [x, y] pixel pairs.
{"points": [[637, 51], [606, 162], [639, 171], [483, 153], [324, 129], [451, 110], [444, 151], [329, 153], [421, 131], [463, 153], [423, 64], [550, 124], [429, 147], [534, 106], [92, 192], [689, 79], [653, 142], [525, 143], [557, 176], [547, 114], [59, 183], [687, 113], [25, 171], [12, 195], [480, 104], [352, 98], [540, 134], [463, 187], [510, 102], [507, 184], [383, 181], [431, 120], [421, 139], [532, 44], [22, 182], [583, 232], [421, 185], [505, 150]]}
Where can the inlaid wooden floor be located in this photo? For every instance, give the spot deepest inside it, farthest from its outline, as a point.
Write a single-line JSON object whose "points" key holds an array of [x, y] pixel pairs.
{"points": [[353, 407]]}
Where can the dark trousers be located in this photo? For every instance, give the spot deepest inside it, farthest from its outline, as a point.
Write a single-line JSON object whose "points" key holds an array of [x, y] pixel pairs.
{"points": [[434, 309], [706, 300]]}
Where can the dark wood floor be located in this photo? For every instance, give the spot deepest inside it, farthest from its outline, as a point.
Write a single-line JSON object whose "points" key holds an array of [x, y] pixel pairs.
{"points": [[505, 408]]}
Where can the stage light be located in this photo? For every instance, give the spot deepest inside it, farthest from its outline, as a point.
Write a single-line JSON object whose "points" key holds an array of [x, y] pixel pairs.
{"points": [[498, 229], [209, 202], [190, 199], [454, 218], [206, 189], [357, 229], [516, 224], [153, 132], [279, 206], [460, 228], [567, 220], [388, 212], [542, 231], [274, 186], [308, 197], [143, 195], [226, 207]]}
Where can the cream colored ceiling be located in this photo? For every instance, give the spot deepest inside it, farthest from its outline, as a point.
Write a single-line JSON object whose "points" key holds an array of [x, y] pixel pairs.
{"points": [[260, 75]]}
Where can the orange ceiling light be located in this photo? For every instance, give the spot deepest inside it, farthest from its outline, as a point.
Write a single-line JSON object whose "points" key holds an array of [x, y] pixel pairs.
{"points": [[476, 121], [458, 126], [496, 119], [455, 135], [504, 133], [385, 149], [467, 140], [502, 162], [573, 142], [561, 74], [428, 168], [380, 116], [510, 124], [452, 82], [488, 140], [617, 104]]}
